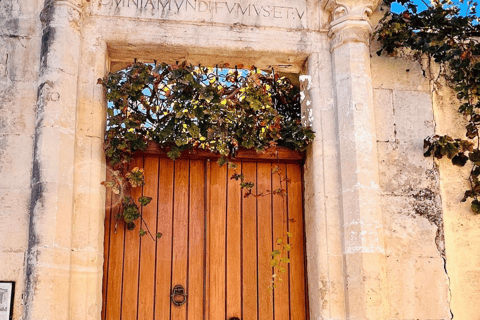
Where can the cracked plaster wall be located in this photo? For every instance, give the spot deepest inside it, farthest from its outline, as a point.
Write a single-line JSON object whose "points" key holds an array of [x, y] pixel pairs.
{"points": [[462, 227], [411, 199], [20, 34]]}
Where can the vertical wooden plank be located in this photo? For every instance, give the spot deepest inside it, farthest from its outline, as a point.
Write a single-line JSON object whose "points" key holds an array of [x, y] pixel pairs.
{"points": [[217, 228], [147, 250], [196, 244], [234, 299], [132, 260], [280, 232], [164, 244], [265, 245], [249, 247], [180, 233], [106, 245], [297, 255], [115, 265], [206, 311]]}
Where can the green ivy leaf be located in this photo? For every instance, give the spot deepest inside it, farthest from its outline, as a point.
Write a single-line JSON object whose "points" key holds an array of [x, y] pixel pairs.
{"points": [[144, 200], [222, 160], [475, 206], [460, 160]]}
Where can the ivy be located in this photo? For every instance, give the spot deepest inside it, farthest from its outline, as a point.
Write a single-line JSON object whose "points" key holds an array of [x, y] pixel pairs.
{"points": [[449, 37], [182, 107]]}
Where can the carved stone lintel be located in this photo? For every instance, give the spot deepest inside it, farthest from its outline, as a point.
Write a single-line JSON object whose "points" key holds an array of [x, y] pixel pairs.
{"points": [[350, 20]]}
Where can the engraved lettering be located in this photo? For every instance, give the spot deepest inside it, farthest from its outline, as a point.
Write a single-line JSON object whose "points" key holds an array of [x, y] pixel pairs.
{"points": [[200, 6], [149, 2], [216, 6], [167, 3], [300, 16], [259, 10], [275, 12], [236, 8], [178, 6], [137, 3], [267, 12], [240, 9], [230, 10], [194, 6]]}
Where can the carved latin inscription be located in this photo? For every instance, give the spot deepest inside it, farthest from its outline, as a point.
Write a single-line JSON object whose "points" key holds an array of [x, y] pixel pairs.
{"points": [[281, 13]]}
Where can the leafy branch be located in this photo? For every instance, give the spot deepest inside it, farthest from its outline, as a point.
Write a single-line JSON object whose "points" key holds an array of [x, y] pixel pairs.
{"points": [[182, 107]]}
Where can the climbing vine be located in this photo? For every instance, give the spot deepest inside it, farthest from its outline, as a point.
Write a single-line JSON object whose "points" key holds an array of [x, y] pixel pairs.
{"points": [[446, 33], [280, 256], [183, 107]]}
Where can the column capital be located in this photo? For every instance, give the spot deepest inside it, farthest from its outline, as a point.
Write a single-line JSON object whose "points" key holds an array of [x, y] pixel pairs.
{"points": [[74, 4], [350, 20]]}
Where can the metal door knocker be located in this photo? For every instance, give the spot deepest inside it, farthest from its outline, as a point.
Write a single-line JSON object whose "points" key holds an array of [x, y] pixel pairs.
{"points": [[179, 297]]}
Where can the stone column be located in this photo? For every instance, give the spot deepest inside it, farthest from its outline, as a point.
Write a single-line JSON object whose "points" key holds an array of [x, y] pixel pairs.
{"points": [[47, 263], [363, 242], [323, 219]]}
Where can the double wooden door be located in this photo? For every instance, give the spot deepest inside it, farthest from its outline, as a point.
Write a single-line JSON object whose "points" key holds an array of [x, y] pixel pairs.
{"points": [[215, 242]]}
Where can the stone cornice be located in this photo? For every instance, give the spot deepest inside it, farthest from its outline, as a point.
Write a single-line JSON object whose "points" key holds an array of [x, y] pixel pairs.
{"points": [[350, 20]]}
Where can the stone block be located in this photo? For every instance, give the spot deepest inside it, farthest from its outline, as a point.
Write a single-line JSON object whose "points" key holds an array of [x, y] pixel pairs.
{"points": [[417, 288], [403, 168], [16, 154], [14, 219], [396, 73], [53, 216], [17, 107], [413, 116], [384, 117], [20, 50], [407, 234], [56, 154]]}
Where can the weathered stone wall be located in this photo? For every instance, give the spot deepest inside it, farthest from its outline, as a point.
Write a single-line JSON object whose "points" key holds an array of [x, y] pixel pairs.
{"points": [[410, 191], [462, 227], [20, 42], [387, 237]]}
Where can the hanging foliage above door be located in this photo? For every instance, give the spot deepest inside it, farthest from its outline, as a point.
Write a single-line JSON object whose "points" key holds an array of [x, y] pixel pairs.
{"points": [[184, 107]]}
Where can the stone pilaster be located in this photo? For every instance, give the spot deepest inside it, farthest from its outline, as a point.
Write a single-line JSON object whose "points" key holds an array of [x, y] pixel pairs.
{"points": [[363, 240], [47, 263], [89, 195]]}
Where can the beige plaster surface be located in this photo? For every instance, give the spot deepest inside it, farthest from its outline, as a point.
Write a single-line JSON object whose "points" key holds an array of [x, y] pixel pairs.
{"points": [[462, 227]]}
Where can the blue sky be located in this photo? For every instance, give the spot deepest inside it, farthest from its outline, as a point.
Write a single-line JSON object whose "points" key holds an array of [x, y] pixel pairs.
{"points": [[398, 8]]}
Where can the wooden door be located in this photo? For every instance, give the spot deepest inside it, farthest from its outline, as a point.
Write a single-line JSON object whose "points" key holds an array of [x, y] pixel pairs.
{"points": [[215, 242]]}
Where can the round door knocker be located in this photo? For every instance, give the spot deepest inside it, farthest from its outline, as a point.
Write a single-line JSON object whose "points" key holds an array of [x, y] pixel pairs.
{"points": [[179, 296]]}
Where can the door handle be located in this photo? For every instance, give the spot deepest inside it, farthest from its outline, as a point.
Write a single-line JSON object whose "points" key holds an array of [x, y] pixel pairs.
{"points": [[178, 296]]}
